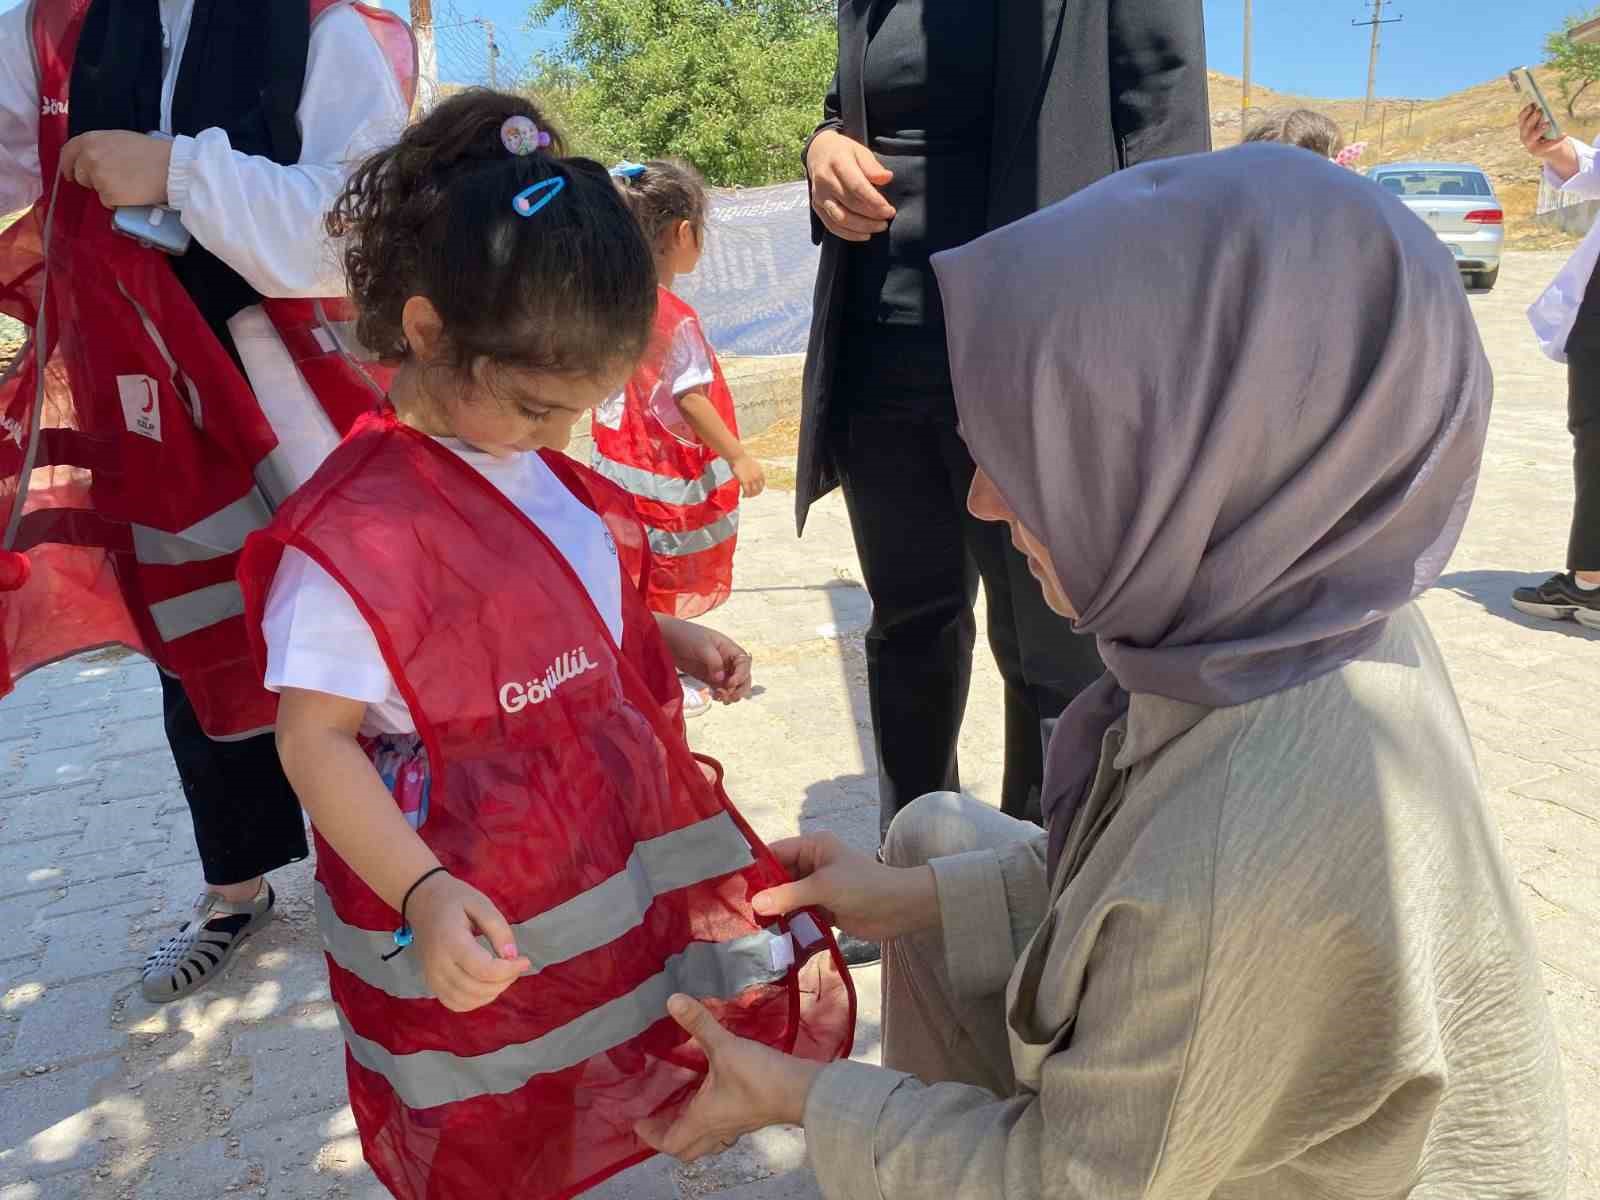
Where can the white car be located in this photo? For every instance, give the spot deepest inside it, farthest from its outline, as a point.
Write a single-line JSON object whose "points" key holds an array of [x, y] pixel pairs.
{"points": [[1458, 203]]}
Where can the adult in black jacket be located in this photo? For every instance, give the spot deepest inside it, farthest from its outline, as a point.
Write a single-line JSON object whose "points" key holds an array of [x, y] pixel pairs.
{"points": [[945, 121]]}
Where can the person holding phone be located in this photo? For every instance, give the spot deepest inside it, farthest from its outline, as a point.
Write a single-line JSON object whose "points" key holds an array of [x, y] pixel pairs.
{"points": [[946, 121], [1566, 320], [260, 110]]}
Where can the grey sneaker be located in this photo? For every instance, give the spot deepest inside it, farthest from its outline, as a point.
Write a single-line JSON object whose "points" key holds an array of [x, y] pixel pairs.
{"points": [[196, 954]]}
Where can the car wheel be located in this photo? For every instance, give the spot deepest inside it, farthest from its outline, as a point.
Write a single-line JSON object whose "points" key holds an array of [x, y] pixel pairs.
{"points": [[1485, 280]]}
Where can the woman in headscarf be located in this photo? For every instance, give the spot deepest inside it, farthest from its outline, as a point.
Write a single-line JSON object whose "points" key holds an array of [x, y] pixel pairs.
{"points": [[1270, 946]]}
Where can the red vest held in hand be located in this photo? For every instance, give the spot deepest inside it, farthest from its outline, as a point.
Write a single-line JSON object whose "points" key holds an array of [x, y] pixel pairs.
{"points": [[563, 789], [685, 492], [134, 459]]}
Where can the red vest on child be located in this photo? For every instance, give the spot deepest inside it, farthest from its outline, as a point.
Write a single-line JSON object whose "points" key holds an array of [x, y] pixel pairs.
{"points": [[563, 789], [685, 492], [134, 459]]}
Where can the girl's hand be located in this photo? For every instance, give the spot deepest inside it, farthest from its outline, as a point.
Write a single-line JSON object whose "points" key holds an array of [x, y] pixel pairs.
{"points": [[748, 1087], [447, 917], [708, 655], [752, 479], [126, 169], [845, 178]]}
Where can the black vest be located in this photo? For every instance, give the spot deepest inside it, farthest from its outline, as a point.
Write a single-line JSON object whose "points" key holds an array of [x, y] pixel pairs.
{"points": [[243, 69]]}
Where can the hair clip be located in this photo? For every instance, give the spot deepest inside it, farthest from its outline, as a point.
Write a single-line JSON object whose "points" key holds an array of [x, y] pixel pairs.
{"points": [[1350, 154], [530, 200], [628, 170], [521, 136]]}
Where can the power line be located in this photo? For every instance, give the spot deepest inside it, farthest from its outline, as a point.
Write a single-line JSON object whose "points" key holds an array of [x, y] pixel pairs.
{"points": [[1377, 21]]}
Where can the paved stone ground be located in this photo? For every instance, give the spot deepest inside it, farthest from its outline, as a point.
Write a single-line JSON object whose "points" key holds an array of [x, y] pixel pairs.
{"points": [[240, 1091]]}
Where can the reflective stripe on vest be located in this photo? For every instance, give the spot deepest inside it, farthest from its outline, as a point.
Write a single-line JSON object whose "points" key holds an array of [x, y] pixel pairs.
{"points": [[223, 532], [666, 489], [721, 970], [194, 611], [705, 850], [671, 544]]}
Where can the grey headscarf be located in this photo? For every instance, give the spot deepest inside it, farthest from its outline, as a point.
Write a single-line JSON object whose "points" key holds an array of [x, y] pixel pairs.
{"points": [[1241, 400]]}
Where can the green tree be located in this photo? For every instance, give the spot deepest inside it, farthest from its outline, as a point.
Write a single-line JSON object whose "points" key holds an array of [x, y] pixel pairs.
{"points": [[734, 86], [1577, 65]]}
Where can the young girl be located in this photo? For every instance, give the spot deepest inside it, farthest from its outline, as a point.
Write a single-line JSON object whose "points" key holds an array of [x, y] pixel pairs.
{"points": [[519, 860], [670, 438]]}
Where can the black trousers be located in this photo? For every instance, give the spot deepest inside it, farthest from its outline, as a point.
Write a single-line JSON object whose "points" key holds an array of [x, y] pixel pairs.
{"points": [[247, 820], [1583, 419], [905, 473]]}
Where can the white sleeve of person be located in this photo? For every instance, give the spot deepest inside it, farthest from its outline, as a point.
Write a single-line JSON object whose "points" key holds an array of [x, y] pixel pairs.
{"points": [[262, 218], [19, 113], [687, 369], [1586, 182], [317, 640]]}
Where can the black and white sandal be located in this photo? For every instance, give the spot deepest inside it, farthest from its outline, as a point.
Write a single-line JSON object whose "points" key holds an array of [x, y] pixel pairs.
{"points": [[198, 952]]}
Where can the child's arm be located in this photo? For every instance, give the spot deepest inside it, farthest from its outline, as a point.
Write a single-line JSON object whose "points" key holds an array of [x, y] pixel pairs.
{"points": [[358, 817], [711, 429]]}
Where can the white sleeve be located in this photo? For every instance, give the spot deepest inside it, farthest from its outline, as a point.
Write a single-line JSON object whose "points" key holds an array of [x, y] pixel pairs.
{"points": [[19, 113], [688, 366], [1586, 182], [317, 639], [264, 219]]}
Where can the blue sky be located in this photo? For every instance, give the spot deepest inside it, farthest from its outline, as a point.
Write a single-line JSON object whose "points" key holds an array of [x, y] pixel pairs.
{"points": [[1302, 46]]}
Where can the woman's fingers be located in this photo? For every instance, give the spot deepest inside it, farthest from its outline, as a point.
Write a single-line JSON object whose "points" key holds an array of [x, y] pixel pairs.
{"points": [[841, 218]]}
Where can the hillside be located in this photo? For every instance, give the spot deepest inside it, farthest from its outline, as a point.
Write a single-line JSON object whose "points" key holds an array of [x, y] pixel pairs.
{"points": [[1477, 125]]}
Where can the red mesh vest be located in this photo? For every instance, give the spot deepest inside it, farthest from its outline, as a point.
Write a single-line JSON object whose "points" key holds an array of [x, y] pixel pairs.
{"points": [[562, 787], [686, 494], [134, 459]]}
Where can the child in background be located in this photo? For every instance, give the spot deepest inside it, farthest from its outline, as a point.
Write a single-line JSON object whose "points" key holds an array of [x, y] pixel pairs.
{"points": [[670, 438], [481, 715], [1302, 127]]}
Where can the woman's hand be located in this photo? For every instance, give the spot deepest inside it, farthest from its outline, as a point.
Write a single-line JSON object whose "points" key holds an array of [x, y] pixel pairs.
{"points": [[447, 917], [1558, 153], [126, 169], [748, 1087], [857, 893], [708, 655], [845, 178]]}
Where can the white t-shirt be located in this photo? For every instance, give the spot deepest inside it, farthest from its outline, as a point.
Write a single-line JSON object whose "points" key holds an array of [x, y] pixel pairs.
{"points": [[687, 368], [318, 641]]}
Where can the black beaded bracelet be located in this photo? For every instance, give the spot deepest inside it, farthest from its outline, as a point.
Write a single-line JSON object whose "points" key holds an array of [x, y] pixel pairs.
{"points": [[403, 936]]}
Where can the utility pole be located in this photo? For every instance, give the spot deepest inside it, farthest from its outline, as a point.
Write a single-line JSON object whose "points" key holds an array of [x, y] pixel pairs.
{"points": [[1244, 104], [427, 53], [494, 52], [1376, 22]]}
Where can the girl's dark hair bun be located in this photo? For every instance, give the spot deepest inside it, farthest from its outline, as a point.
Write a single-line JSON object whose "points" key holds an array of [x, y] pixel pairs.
{"points": [[570, 289]]}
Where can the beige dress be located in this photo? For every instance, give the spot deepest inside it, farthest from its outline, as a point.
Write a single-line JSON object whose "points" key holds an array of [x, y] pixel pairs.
{"points": [[1284, 958]]}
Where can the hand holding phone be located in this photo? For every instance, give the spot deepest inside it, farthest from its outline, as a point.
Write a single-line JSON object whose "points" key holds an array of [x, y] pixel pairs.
{"points": [[1523, 82]]}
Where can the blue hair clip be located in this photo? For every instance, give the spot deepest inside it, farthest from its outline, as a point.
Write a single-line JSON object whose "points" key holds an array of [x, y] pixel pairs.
{"points": [[628, 170], [531, 200]]}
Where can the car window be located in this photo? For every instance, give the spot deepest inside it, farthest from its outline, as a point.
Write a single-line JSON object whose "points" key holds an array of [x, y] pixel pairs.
{"points": [[1435, 183]]}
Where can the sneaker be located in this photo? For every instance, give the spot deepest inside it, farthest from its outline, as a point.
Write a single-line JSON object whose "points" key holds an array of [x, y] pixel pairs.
{"points": [[197, 953], [1559, 598], [696, 700]]}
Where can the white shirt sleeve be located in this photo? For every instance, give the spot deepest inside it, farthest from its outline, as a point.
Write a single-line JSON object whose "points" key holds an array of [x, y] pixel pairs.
{"points": [[1586, 182], [688, 366], [264, 219], [19, 113], [317, 639]]}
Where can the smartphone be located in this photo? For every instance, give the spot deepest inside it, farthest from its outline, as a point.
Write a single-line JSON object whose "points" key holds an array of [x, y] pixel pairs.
{"points": [[1526, 85], [153, 225]]}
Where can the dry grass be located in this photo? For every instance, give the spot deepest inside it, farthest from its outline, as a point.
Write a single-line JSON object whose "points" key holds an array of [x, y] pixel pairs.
{"points": [[1478, 126]]}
